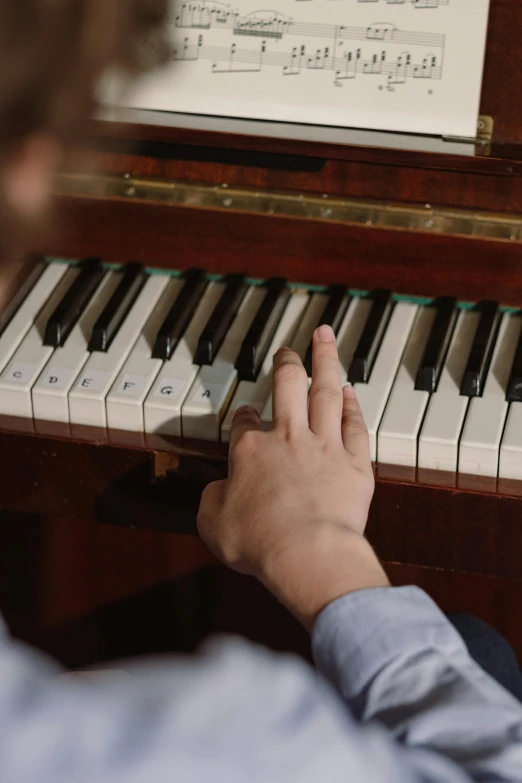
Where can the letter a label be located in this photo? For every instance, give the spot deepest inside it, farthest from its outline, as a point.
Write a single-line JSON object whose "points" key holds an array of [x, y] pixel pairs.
{"points": [[209, 397]]}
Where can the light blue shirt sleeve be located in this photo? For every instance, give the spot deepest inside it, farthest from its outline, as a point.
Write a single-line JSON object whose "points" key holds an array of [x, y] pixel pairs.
{"points": [[410, 706]]}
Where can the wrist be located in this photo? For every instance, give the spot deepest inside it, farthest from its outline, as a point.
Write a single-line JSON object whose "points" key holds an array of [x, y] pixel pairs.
{"points": [[308, 575]]}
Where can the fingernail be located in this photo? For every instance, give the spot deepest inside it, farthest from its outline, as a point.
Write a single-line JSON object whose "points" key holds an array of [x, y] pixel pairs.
{"points": [[325, 334], [245, 410], [349, 392]]}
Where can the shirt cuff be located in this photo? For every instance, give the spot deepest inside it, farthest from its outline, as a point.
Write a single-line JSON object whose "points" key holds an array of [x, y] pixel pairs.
{"points": [[358, 635]]}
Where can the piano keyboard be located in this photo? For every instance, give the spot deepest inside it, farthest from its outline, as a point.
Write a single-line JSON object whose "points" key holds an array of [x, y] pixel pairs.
{"points": [[439, 382]]}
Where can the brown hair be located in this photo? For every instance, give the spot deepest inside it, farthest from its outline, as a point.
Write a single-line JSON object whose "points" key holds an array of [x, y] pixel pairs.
{"points": [[54, 52]]}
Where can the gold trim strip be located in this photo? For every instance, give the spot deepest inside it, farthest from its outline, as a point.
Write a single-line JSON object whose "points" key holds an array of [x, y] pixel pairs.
{"points": [[428, 218]]}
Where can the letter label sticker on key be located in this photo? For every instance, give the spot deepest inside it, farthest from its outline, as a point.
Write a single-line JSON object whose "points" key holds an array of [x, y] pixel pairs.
{"points": [[58, 378], [170, 387], [93, 380], [131, 385], [210, 396], [20, 372]]}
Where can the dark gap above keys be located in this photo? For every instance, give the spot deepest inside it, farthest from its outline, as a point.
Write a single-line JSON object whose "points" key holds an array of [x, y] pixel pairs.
{"points": [[481, 351], [180, 314], [133, 278], [514, 388], [74, 302], [436, 349], [371, 338], [332, 315], [260, 335], [275, 161], [219, 322]]}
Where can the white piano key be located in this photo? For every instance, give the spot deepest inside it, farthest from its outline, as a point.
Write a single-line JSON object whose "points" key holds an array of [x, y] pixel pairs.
{"points": [[479, 449], [373, 395], [50, 392], [125, 400], [400, 425], [256, 393], [347, 339], [350, 333], [162, 408], [440, 433], [299, 344], [309, 323], [31, 355], [27, 313], [87, 396], [205, 406], [510, 462]]}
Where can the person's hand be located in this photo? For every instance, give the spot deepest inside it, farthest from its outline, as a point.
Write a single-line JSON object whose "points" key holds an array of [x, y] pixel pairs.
{"points": [[294, 507]]}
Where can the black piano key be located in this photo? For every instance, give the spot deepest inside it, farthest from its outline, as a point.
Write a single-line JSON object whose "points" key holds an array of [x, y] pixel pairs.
{"points": [[74, 302], [106, 327], [480, 355], [332, 315], [438, 341], [371, 338], [261, 333], [514, 389], [224, 313], [180, 314]]}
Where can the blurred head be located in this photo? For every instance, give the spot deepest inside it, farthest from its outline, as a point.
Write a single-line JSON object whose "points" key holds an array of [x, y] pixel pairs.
{"points": [[53, 54]]}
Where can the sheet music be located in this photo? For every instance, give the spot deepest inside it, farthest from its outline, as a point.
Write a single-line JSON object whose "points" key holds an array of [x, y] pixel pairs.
{"points": [[399, 65]]}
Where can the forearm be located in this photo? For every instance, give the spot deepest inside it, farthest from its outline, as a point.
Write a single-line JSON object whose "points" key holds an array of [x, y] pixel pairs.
{"points": [[397, 661], [309, 575]]}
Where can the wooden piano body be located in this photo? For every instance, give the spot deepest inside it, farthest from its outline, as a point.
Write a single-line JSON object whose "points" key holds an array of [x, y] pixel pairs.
{"points": [[424, 217]]}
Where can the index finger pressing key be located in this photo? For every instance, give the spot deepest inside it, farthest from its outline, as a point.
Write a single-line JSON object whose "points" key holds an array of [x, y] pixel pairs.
{"points": [[290, 391], [326, 396]]}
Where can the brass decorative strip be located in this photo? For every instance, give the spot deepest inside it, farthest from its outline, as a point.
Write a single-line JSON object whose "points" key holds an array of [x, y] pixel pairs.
{"points": [[428, 218]]}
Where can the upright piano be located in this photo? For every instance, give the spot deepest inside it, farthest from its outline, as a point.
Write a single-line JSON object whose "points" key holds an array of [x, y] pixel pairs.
{"points": [[191, 247]]}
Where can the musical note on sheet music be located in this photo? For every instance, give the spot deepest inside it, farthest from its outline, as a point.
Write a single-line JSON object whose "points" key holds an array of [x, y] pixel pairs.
{"points": [[341, 51], [414, 3], [403, 65]]}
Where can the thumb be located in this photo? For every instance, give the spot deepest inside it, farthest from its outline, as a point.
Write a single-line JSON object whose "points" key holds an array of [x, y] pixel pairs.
{"points": [[210, 507], [245, 418]]}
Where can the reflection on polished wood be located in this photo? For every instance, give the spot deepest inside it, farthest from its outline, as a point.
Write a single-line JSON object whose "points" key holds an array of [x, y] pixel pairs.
{"points": [[103, 477]]}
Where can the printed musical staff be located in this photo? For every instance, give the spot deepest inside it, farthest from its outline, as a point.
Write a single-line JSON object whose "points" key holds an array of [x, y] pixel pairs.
{"points": [[398, 65], [347, 64], [414, 3], [271, 24]]}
